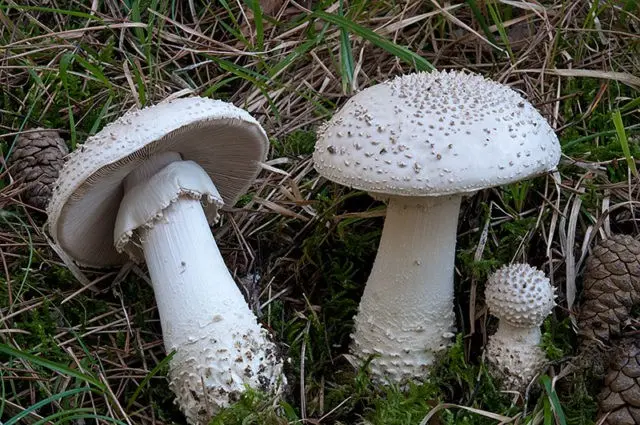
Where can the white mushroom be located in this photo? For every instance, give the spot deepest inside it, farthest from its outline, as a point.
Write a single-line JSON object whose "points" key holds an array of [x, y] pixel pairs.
{"points": [[147, 188], [520, 296], [423, 141]]}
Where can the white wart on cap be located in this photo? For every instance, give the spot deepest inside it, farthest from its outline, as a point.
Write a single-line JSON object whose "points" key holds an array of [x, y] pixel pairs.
{"points": [[434, 134], [422, 141]]}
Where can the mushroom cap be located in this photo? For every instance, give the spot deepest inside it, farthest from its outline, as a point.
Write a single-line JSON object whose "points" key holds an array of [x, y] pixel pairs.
{"points": [[437, 133], [224, 140], [520, 295]]}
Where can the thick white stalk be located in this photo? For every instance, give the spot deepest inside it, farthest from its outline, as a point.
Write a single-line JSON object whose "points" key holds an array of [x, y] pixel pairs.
{"points": [[514, 355], [195, 293], [526, 337], [406, 311], [220, 347]]}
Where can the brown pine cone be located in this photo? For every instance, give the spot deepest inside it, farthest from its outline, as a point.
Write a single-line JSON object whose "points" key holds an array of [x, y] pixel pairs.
{"points": [[620, 397], [611, 288], [35, 162]]}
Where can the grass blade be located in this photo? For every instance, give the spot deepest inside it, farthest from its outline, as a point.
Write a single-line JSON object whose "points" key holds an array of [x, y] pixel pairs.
{"points": [[259, 24], [63, 370], [346, 57], [66, 61], [95, 71], [52, 10], [17, 418], [147, 378], [497, 20], [553, 399], [74, 414], [417, 61], [475, 9], [624, 142]]}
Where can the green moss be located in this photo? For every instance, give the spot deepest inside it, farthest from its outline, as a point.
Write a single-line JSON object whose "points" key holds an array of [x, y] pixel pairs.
{"points": [[294, 144], [558, 338], [255, 408]]}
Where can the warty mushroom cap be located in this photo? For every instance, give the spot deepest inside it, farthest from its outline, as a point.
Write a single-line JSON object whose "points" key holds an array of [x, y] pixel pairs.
{"points": [[225, 141], [437, 133], [520, 295]]}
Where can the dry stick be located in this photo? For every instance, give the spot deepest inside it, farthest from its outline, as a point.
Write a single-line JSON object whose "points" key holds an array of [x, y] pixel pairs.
{"points": [[303, 355], [89, 286], [476, 258]]}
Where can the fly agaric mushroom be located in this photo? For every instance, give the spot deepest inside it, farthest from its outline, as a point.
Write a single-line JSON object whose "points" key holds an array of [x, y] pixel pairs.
{"points": [[147, 187], [423, 141], [520, 296]]}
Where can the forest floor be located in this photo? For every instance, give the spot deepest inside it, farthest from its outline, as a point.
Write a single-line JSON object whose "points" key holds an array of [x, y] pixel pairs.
{"points": [[300, 246]]}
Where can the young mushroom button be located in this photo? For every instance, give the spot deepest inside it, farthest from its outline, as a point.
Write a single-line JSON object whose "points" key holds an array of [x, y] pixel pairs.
{"points": [[422, 141], [147, 188], [520, 296]]}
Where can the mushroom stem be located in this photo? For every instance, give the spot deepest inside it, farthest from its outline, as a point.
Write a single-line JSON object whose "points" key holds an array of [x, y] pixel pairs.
{"points": [[195, 292], [527, 338], [220, 347], [406, 311], [514, 355]]}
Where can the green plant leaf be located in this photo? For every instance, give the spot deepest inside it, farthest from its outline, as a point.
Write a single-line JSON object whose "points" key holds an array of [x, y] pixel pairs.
{"points": [[147, 378], [417, 61], [553, 399], [17, 418], [624, 143], [63, 370]]}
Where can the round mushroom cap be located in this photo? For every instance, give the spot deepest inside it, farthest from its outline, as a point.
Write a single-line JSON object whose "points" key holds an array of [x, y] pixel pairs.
{"points": [[520, 295], [222, 139], [437, 133]]}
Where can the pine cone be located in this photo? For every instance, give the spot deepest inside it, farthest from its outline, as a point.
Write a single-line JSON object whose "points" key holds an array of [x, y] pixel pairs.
{"points": [[621, 394], [611, 288], [35, 162]]}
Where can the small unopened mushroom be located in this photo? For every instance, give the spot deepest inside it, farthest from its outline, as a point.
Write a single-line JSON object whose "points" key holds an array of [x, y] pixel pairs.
{"points": [[520, 296], [422, 142], [147, 188]]}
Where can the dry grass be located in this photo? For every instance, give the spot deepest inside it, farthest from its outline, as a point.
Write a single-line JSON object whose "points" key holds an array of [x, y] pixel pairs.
{"points": [[75, 66]]}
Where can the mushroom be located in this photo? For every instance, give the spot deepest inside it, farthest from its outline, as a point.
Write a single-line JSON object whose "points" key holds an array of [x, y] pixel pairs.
{"points": [[520, 296], [422, 141], [146, 188]]}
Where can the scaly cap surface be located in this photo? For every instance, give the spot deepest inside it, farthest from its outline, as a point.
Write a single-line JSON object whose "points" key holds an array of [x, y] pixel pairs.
{"points": [[436, 133], [519, 294]]}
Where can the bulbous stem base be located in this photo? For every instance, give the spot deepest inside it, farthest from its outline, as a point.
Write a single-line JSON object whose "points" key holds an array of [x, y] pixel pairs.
{"points": [[406, 311]]}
